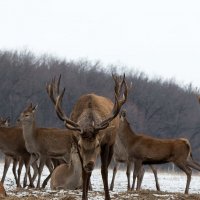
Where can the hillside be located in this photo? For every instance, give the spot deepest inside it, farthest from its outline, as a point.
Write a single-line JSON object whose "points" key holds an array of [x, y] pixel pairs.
{"points": [[157, 107]]}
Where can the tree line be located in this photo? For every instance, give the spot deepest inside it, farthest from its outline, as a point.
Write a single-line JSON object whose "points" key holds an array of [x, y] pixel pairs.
{"points": [[157, 107]]}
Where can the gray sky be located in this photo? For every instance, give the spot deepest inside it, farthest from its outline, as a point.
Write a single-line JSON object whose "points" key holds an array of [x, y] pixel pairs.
{"points": [[160, 38]]}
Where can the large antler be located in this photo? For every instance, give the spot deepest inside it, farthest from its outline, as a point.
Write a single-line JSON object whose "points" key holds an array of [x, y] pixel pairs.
{"points": [[120, 82], [53, 92]]}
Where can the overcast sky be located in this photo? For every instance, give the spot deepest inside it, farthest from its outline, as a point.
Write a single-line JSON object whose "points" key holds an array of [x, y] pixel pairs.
{"points": [[160, 38]]}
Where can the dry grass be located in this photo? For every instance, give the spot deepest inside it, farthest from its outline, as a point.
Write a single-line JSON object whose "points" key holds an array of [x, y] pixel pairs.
{"points": [[68, 195]]}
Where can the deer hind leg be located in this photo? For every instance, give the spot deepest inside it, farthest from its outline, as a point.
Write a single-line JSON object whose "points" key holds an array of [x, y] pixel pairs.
{"points": [[193, 164], [114, 174], [35, 173], [7, 162], [32, 158], [25, 161], [156, 177], [128, 169], [137, 169], [40, 169], [188, 171], [140, 178], [19, 170], [15, 161], [50, 166]]}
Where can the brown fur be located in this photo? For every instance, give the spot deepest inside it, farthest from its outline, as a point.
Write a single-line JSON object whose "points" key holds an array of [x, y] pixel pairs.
{"points": [[44, 143], [121, 155], [12, 145], [143, 149], [67, 176], [94, 120], [100, 107], [2, 190]]}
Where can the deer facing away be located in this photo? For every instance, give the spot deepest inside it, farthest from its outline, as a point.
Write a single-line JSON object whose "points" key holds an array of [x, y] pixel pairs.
{"points": [[94, 121], [143, 149]]}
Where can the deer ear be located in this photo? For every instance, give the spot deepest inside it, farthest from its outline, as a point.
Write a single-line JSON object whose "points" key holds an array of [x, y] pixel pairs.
{"points": [[8, 119], [35, 108]]}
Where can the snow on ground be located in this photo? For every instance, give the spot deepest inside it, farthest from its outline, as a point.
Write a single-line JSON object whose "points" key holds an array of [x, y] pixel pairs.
{"points": [[169, 183]]}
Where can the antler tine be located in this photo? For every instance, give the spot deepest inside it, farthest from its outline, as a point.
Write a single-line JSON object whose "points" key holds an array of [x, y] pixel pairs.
{"points": [[125, 95], [114, 113], [49, 89], [68, 123], [119, 83], [58, 84], [53, 90]]}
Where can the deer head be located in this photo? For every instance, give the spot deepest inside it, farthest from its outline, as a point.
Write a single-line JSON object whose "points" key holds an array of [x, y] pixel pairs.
{"points": [[28, 115], [90, 124], [4, 122], [122, 115]]}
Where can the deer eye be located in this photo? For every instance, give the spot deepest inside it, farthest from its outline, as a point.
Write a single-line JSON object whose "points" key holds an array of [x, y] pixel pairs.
{"points": [[79, 146], [98, 145]]}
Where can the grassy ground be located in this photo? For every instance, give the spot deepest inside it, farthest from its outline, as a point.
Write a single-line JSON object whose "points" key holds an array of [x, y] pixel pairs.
{"points": [[76, 195]]}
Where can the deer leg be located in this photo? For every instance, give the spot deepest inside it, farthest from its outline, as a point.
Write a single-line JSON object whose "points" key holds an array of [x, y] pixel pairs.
{"points": [[20, 161], [90, 186], [114, 174], [86, 178], [51, 168], [128, 169], [35, 173], [140, 178], [137, 168], [193, 164], [15, 161], [7, 162], [40, 169], [31, 159], [156, 177], [188, 172], [106, 156]]}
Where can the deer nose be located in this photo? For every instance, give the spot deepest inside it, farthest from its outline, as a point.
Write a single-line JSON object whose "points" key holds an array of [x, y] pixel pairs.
{"points": [[90, 166]]}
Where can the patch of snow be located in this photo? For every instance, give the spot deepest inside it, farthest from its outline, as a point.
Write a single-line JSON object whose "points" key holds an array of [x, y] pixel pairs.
{"points": [[169, 182]]}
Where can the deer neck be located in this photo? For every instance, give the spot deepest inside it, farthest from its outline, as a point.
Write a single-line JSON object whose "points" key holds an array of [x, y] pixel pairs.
{"points": [[126, 134], [29, 134]]}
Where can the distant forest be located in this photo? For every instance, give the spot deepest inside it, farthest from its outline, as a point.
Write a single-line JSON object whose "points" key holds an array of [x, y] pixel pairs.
{"points": [[157, 107]]}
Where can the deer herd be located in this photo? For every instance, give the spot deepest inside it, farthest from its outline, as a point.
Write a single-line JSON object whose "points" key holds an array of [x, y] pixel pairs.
{"points": [[96, 128]]}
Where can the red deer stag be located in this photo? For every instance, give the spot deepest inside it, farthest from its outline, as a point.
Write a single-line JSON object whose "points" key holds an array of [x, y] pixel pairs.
{"points": [[95, 122], [143, 149]]}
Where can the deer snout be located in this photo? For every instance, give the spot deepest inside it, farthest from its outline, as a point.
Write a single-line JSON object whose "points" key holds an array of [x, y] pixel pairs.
{"points": [[90, 166]]}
